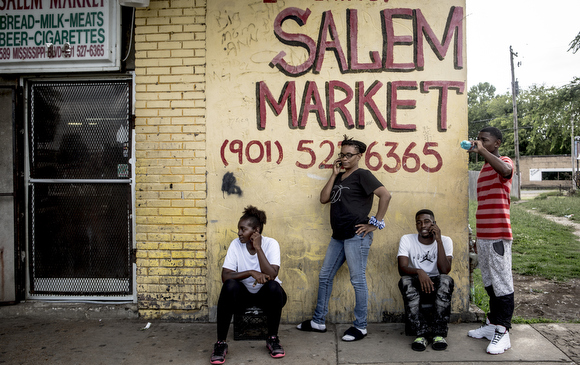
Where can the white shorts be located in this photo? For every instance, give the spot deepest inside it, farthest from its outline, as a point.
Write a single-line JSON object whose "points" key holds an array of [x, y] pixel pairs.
{"points": [[495, 261]]}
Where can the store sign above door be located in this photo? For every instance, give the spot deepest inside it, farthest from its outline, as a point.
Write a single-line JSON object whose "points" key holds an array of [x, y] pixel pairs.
{"points": [[59, 35]]}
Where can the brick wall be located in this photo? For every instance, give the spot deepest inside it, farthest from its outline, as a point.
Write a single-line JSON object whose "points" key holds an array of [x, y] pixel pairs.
{"points": [[170, 159]]}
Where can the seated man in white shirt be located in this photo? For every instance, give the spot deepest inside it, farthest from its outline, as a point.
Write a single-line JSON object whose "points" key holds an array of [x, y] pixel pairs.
{"points": [[424, 261]]}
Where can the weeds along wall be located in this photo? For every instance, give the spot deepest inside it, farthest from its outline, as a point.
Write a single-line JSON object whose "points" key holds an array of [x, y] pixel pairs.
{"points": [[245, 102]]}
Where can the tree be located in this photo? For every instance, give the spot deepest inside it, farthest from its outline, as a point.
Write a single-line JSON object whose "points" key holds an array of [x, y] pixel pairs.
{"points": [[575, 44], [544, 115], [478, 99]]}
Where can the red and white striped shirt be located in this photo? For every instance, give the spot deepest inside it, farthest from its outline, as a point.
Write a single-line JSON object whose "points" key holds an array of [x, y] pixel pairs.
{"points": [[493, 203]]}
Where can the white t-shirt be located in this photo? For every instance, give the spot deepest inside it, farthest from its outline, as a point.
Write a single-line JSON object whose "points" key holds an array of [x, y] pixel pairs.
{"points": [[423, 256], [239, 259]]}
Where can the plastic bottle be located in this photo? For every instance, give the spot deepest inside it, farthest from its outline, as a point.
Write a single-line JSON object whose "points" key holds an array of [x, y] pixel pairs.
{"points": [[466, 145]]}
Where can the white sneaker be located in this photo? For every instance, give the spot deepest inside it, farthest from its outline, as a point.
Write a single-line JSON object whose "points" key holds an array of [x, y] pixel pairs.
{"points": [[500, 341], [487, 331]]}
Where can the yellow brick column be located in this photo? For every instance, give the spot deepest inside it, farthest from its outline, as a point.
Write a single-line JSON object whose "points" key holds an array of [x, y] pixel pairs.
{"points": [[171, 160]]}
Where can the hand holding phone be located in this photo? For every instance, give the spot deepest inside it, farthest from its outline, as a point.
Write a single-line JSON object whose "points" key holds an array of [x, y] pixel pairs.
{"points": [[435, 231], [336, 166]]}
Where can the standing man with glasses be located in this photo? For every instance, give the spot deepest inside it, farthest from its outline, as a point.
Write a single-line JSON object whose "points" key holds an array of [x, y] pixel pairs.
{"points": [[350, 194]]}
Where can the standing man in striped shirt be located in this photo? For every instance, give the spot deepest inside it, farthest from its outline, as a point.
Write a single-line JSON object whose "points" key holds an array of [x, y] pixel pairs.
{"points": [[494, 239]]}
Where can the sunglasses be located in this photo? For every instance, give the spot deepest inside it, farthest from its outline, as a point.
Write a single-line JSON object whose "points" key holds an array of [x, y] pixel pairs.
{"points": [[347, 155]]}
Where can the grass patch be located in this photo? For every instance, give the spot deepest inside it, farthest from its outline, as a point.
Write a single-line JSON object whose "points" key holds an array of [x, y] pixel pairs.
{"points": [[520, 320], [472, 211], [479, 296], [542, 247], [555, 204]]}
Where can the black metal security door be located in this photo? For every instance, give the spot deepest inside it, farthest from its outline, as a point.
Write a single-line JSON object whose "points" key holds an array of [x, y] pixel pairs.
{"points": [[80, 236]]}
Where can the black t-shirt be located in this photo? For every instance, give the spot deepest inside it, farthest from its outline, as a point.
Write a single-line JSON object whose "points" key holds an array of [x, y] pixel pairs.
{"points": [[351, 201]]}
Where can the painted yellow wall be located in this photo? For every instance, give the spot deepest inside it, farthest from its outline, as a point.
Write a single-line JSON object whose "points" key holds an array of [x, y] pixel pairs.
{"points": [[197, 67], [241, 44]]}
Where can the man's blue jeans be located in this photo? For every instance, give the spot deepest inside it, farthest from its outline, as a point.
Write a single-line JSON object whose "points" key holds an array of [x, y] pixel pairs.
{"points": [[355, 252]]}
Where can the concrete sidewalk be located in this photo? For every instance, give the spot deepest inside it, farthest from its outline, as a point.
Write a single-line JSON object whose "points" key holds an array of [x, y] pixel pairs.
{"points": [[33, 340]]}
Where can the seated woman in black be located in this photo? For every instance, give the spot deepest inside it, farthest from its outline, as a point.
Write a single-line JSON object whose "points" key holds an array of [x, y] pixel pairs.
{"points": [[250, 277]]}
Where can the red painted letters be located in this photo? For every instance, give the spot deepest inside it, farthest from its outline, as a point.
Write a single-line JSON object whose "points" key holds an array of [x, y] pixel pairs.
{"points": [[255, 151]]}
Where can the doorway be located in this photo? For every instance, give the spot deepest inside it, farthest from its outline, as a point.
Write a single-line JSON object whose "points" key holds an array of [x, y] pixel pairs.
{"points": [[80, 241]]}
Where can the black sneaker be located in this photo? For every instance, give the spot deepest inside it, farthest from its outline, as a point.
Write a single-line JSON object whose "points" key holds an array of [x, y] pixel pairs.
{"points": [[273, 345], [220, 349]]}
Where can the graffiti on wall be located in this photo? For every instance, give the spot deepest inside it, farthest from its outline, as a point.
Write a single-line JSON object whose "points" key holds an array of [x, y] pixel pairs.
{"points": [[229, 184]]}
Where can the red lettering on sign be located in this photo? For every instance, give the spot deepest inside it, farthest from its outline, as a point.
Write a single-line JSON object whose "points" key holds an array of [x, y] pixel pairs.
{"points": [[428, 151], [316, 52], [454, 26], [264, 149], [260, 148], [443, 86], [254, 152], [312, 94], [396, 103], [370, 154], [300, 17], [393, 155], [222, 152], [302, 148], [288, 94], [353, 46], [363, 100], [366, 99], [324, 44], [340, 106], [325, 163], [237, 146], [410, 155], [393, 40]]}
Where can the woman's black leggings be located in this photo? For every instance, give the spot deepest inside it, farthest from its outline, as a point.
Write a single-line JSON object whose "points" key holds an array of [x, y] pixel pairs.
{"points": [[235, 297]]}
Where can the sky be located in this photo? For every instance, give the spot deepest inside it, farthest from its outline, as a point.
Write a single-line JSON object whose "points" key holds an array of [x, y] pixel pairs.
{"points": [[539, 31]]}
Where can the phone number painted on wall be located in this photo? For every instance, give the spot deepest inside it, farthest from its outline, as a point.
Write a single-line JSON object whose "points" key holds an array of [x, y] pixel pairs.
{"points": [[388, 156]]}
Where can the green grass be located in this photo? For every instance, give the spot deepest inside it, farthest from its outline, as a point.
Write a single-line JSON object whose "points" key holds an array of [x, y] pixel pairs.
{"points": [[479, 296], [540, 247], [555, 204], [521, 320]]}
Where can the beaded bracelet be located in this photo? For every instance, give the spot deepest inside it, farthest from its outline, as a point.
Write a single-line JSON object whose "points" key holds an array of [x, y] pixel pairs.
{"points": [[375, 222]]}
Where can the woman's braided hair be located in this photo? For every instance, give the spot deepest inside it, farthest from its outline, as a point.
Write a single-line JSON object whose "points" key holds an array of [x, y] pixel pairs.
{"points": [[256, 217], [348, 141]]}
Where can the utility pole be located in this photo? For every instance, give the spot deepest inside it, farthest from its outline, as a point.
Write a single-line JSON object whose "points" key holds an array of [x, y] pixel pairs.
{"points": [[573, 151], [516, 138]]}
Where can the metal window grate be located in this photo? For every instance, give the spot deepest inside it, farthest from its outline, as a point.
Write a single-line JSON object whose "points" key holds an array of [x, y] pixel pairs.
{"points": [[80, 191], [79, 237], [79, 130]]}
